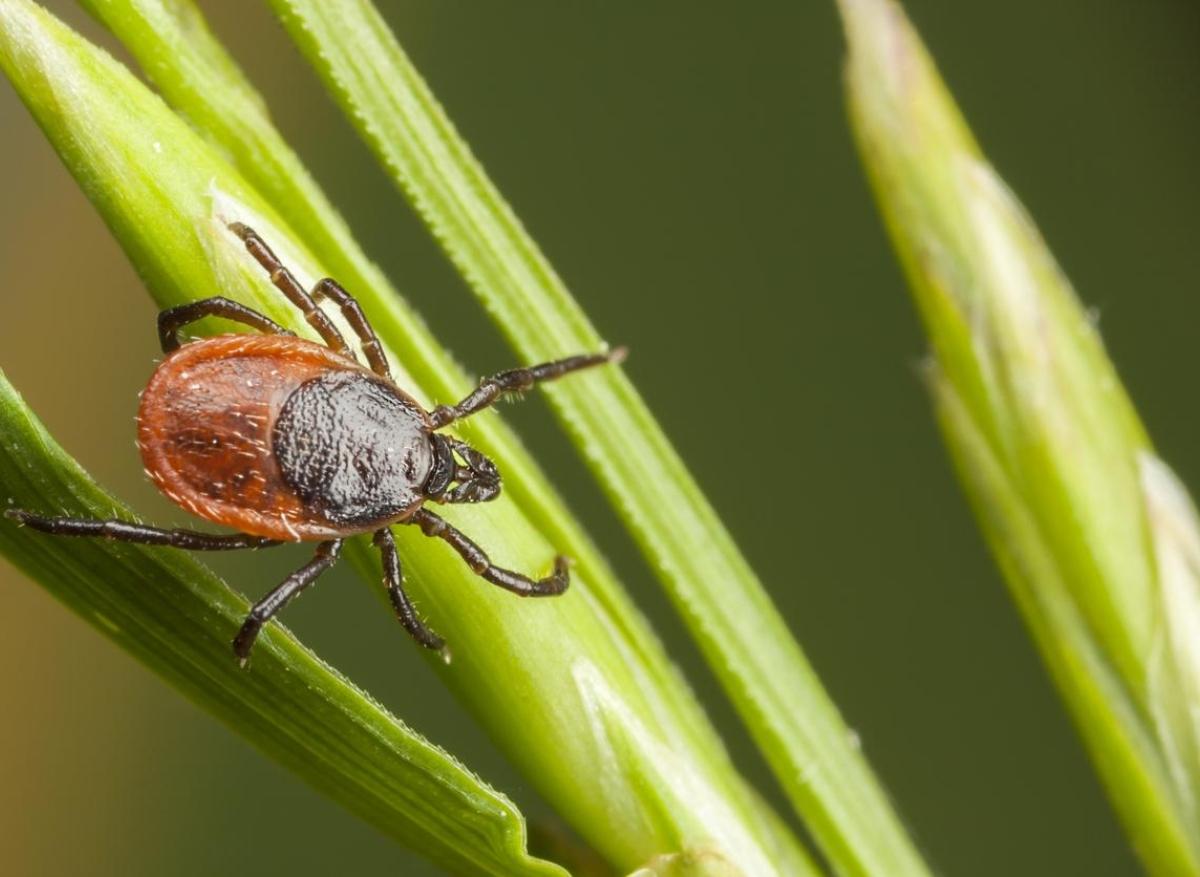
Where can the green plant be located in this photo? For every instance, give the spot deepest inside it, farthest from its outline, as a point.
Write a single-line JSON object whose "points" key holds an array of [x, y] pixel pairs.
{"points": [[1098, 540], [586, 670], [1096, 537]]}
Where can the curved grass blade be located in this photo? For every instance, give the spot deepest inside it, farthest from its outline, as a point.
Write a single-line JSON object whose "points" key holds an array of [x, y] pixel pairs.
{"points": [[1098, 541], [528, 670], [742, 635], [177, 617]]}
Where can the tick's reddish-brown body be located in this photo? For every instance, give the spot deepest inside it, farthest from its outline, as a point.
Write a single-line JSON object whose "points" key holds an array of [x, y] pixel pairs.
{"points": [[206, 430], [285, 440]]}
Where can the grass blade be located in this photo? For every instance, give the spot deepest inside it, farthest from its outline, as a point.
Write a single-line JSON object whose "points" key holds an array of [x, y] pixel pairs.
{"points": [[1098, 541], [176, 617], [658, 781], [725, 606]]}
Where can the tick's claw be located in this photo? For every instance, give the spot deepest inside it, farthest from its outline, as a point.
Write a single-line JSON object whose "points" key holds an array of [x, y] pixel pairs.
{"points": [[243, 643], [430, 640], [558, 581]]}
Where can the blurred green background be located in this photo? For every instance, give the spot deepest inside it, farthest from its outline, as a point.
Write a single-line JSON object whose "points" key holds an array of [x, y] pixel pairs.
{"points": [[690, 173]]}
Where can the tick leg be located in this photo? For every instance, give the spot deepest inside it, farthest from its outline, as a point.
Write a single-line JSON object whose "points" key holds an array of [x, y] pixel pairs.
{"points": [[555, 583], [518, 380], [266, 608], [286, 283], [120, 531], [354, 315], [394, 579], [173, 319]]}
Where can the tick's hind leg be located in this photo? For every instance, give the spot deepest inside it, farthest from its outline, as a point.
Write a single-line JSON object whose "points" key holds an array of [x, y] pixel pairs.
{"points": [[173, 319], [121, 531], [518, 380], [266, 608], [477, 560], [393, 578], [286, 283]]}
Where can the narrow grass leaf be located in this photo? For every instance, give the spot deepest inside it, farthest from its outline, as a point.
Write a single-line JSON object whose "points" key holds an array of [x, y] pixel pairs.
{"points": [[1098, 541], [742, 635], [177, 617]]}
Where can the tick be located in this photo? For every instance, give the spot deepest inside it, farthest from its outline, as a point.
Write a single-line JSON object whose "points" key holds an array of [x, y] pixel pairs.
{"points": [[286, 440]]}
